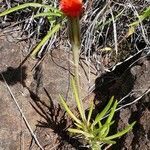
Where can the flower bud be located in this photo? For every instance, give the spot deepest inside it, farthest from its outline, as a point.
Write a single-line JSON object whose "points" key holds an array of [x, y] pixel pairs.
{"points": [[71, 8]]}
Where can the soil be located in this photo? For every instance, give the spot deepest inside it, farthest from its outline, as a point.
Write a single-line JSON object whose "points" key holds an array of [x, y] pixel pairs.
{"points": [[37, 94], [36, 88]]}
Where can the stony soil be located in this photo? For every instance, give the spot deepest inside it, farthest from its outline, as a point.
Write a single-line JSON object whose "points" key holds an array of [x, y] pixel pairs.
{"points": [[36, 88], [37, 94]]}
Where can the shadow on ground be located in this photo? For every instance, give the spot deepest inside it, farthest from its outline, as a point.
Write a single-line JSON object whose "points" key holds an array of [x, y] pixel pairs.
{"points": [[14, 75], [127, 77], [55, 119]]}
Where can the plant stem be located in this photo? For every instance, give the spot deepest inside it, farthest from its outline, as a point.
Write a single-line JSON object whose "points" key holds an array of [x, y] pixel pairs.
{"points": [[74, 33], [95, 146]]}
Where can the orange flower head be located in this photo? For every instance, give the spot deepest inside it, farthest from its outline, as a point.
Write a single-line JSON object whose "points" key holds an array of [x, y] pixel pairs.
{"points": [[71, 8]]}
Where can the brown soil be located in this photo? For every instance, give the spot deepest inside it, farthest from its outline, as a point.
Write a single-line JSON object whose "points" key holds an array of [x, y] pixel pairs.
{"points": [[37, 94], [37, 90]]}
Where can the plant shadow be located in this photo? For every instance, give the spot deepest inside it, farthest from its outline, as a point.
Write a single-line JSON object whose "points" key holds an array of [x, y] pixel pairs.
{"points": [[14, 75], [55, 119], [118, 82]]}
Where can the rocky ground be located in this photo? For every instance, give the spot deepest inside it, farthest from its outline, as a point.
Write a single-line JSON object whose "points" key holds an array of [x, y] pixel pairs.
{"points": [[36, 87]]}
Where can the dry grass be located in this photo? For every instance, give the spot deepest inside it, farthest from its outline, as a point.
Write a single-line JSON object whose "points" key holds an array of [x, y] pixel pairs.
{"points": [[104, 29]]}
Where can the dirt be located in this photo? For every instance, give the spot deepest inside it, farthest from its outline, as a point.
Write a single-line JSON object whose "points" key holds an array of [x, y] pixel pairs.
{"points": [[133, 81], [36, 88], [37, 94]]}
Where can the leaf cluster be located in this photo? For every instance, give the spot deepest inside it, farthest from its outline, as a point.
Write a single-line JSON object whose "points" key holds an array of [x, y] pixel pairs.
{"points": [[94, 131]]}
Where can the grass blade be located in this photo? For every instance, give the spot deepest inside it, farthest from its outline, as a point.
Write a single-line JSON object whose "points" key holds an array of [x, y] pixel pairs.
{"points": [[22, 6], [111, 113], [78, 101], [45, 39], [77, 131], [47, 14], [78, 125], [108, 141], [119, 134], [90, 112], [105, 129], [104, 111], [69, 111]]}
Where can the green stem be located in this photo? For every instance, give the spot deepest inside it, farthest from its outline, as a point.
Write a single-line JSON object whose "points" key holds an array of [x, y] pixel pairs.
{"points": [[95, 146], [74, 33]]}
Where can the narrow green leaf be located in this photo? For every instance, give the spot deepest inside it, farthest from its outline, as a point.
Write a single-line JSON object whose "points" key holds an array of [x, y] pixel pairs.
{"points": [[108, 141], [78, 101], [134, 24], [105, 129], [146, 13], [22, 6], [130, 31], [104, 111], [111, 113], [142, 17], [69, 111], [90, 112], [78, 125], [47, 14], [108, 122], [99, 124], [77, 131], [106, 132], [44, 40], [101, 25], [119, 134]]}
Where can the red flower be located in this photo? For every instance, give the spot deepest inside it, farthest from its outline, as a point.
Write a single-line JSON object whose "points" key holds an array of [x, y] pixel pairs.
{"points": [[71, 8]]}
